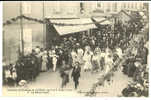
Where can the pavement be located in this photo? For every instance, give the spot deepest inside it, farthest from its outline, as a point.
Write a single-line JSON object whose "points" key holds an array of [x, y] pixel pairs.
{"points": [[49, 84]]}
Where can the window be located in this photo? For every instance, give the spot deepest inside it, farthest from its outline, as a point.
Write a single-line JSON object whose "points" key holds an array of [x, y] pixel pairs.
{"points": [[132, 5], [135, 5], [99, 5], [81, 7], [115, 6], [128, 5], [57, 7], [26, 8], [124, 6]]}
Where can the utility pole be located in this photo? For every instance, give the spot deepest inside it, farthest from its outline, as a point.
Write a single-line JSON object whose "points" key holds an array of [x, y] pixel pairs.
{"points": [[21, 26]]}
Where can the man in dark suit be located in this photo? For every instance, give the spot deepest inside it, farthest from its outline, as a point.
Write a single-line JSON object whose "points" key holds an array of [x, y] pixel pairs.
{"points": [[76, 74]]}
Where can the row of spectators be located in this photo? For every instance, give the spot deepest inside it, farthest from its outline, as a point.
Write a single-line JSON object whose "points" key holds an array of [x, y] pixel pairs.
{"points": [[136, 67], [25, 68]]}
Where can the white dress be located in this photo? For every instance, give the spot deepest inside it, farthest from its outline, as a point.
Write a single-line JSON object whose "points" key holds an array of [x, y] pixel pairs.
{"points": [[80, 55], [87, 59], [44, 63], [7, 74], [119, 52], [96, 61], [54, 62], [108, 64], [102, 55], [134, 51], [14, 74], [74, 57]]}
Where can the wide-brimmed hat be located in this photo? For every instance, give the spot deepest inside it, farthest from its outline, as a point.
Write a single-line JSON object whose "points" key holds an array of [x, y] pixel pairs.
{"points": [[97, 49], [87, 47], [137, 64], [45, 52], [138, 85], [77, 63], [77, 44], [53, 51], [74, 39], [65, 38], [22, 82], [56, 47]]}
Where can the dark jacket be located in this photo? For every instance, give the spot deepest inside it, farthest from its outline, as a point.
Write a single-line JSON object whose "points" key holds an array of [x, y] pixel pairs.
{"points": [[76, 72]]}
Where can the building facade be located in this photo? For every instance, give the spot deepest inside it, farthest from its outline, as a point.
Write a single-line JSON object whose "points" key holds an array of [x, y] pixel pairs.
{"points": [[56, 9], [34, 33]]}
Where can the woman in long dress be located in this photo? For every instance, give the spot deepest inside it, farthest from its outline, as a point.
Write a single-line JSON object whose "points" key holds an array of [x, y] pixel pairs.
{"points": [[87, 59], [13, 71], [119, 52], [7, 73], [102, 59], [108, 67], [80, 55], [14, 74], [74, 57], [54, 62], [108, 61], [54, 59], [44, 61], [95, 62]]}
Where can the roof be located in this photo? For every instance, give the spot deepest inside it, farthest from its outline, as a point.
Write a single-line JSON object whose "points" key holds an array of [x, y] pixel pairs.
{"points": [[126, 13], [68, 26]]}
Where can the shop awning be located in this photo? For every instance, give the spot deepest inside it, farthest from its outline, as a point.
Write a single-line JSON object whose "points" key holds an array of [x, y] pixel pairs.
{"points": [[68, 26], [102, 21]]}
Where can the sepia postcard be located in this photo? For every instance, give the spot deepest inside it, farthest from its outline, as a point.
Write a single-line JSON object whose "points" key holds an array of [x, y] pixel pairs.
{"points": [[75, 49]]}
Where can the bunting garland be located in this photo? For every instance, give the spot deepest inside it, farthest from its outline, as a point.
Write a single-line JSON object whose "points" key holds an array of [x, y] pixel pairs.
{"points": [[12, 20], [8, 22], [44, 21]]}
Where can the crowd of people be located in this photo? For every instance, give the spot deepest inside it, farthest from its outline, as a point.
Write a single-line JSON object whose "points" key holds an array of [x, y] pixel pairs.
{"points": [[29, 66], [136, 67], [95, 52]]}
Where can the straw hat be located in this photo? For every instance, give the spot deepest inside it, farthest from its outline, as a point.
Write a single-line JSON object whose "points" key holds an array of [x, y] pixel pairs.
{"points": [[22, 83], [77, 44], [97, 49], [45, 52], [53, 51], [65, 38], [137, 64], [87, 47]]}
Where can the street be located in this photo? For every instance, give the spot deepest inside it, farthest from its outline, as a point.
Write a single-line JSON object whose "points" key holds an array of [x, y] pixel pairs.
{"points": [[49, 84], [52, 80]]}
